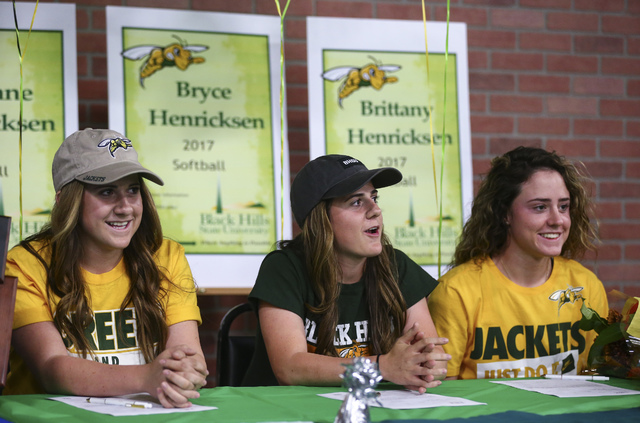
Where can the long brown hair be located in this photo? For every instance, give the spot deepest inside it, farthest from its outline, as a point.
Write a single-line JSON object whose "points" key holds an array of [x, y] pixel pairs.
{"points": [[485, 233], [61, 238], [315, 245]]}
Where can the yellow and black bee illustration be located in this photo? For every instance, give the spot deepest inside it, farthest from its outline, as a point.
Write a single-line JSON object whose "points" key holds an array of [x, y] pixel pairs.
{"points": [[176, 54], [373, 74], [114, 143], [357, 350], [565, 296]]}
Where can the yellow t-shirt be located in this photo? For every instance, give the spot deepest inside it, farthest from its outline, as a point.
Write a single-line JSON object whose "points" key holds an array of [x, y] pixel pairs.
{"points": [[498, 329], [112, 333]]}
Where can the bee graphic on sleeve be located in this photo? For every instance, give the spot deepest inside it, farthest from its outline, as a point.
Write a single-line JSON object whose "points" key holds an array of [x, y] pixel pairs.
{"points": [[349, 352], [357, 350], [371, 75], [114, 143], [157, 57], [565, 296]]}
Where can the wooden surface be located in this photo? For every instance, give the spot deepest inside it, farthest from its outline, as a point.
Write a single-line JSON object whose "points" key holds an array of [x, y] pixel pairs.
{"points": [[224, 291], [7, 304]]}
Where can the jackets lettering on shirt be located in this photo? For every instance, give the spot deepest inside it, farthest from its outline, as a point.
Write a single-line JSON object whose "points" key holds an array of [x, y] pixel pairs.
{"points": [[495, 343]]}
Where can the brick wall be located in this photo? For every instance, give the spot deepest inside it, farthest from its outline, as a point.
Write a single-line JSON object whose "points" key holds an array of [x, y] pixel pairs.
{"points": [[559, 74]]}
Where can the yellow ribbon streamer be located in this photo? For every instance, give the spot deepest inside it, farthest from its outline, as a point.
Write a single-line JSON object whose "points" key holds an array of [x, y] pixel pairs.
{"points": [[444, 120], [21, 55], [426, 49], [282, 193]]}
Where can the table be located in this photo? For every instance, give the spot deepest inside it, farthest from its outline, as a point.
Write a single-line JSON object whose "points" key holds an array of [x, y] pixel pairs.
{"points": [[296, 403]]}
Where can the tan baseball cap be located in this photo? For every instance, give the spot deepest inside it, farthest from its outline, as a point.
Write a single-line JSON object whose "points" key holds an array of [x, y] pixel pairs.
{"points": [[97, 157]]}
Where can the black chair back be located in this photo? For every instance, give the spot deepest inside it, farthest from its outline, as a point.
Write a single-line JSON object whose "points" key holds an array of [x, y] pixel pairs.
{"points": [[234, 352]]}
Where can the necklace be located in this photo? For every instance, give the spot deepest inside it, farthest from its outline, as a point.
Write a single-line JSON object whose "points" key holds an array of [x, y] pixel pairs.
{"points": [[505, 270], [547, 273]]}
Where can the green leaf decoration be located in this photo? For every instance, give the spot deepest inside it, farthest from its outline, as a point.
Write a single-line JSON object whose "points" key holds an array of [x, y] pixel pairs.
{"points": [[595, 352], [591, 320], [610, 334]]}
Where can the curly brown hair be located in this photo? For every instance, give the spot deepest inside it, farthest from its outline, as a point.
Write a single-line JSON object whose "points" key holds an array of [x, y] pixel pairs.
{"points": [[485, 232]]}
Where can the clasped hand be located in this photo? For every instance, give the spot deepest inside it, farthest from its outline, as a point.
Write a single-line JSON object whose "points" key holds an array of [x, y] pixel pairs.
{"points": [[415, 361], [178, 373]]}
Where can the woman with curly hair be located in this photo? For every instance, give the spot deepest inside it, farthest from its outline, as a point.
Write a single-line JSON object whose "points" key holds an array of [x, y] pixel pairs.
{"points": [[510, 305], [105, 305], [340, 290]]}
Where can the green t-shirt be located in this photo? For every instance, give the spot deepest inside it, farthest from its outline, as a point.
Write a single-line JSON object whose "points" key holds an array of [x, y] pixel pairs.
{"points": [[283, 282]]}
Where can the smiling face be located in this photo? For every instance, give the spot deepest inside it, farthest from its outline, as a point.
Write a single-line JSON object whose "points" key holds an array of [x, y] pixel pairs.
{"points": [[110, 216], [539, 219], [356, 220]]}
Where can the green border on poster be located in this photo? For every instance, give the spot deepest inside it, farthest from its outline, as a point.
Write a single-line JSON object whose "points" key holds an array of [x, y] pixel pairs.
{"points": [[386, 123], [206, 129], [43, 127]]}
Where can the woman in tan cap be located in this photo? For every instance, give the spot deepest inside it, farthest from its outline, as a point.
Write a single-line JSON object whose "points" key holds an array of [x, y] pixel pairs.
{"points": [[339, 290], [105, 306]]}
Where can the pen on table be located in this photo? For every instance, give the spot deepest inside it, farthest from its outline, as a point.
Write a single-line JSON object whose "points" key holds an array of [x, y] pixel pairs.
{"points": [[120, 401], [576, 377]]}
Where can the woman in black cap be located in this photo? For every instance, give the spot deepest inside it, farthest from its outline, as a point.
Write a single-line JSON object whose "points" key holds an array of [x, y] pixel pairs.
{"points": [[339, 290], [105, 305]]}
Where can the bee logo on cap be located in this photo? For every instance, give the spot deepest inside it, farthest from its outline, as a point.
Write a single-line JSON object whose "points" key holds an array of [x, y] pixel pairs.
{"points": [[114, 143]]}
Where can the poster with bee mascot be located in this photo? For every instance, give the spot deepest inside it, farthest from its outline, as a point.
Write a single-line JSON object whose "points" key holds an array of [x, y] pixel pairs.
{"points": [[197, 93], [374, 94], [38, 107]]}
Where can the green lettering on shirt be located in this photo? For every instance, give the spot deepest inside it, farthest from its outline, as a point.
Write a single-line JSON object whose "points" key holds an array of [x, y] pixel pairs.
{"points": [[511, 342], [495, 345]]}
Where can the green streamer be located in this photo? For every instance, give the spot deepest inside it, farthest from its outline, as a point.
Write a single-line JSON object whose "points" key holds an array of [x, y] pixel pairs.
{"points": [[21, 55], [426, 50], [439, 200], [282, 194]]}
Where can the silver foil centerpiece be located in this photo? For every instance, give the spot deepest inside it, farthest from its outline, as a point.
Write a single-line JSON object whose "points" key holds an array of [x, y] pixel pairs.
{"points": [[360, 378]]}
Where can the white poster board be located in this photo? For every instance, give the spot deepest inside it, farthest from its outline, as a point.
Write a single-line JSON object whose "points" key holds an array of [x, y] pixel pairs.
{"points": [[50, 108], [198, 93], [372, 96]]}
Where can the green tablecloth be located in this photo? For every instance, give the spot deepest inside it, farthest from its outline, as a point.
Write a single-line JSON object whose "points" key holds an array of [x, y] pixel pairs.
{"points": [[272, 404]]}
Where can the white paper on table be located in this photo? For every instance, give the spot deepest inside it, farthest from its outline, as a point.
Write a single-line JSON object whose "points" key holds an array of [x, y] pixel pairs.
{"points": [[565, 388], [405, 400], [119, 410]]}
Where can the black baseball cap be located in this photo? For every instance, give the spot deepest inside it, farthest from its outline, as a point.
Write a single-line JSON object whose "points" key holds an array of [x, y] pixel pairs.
{"points": [[332, 176]]}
